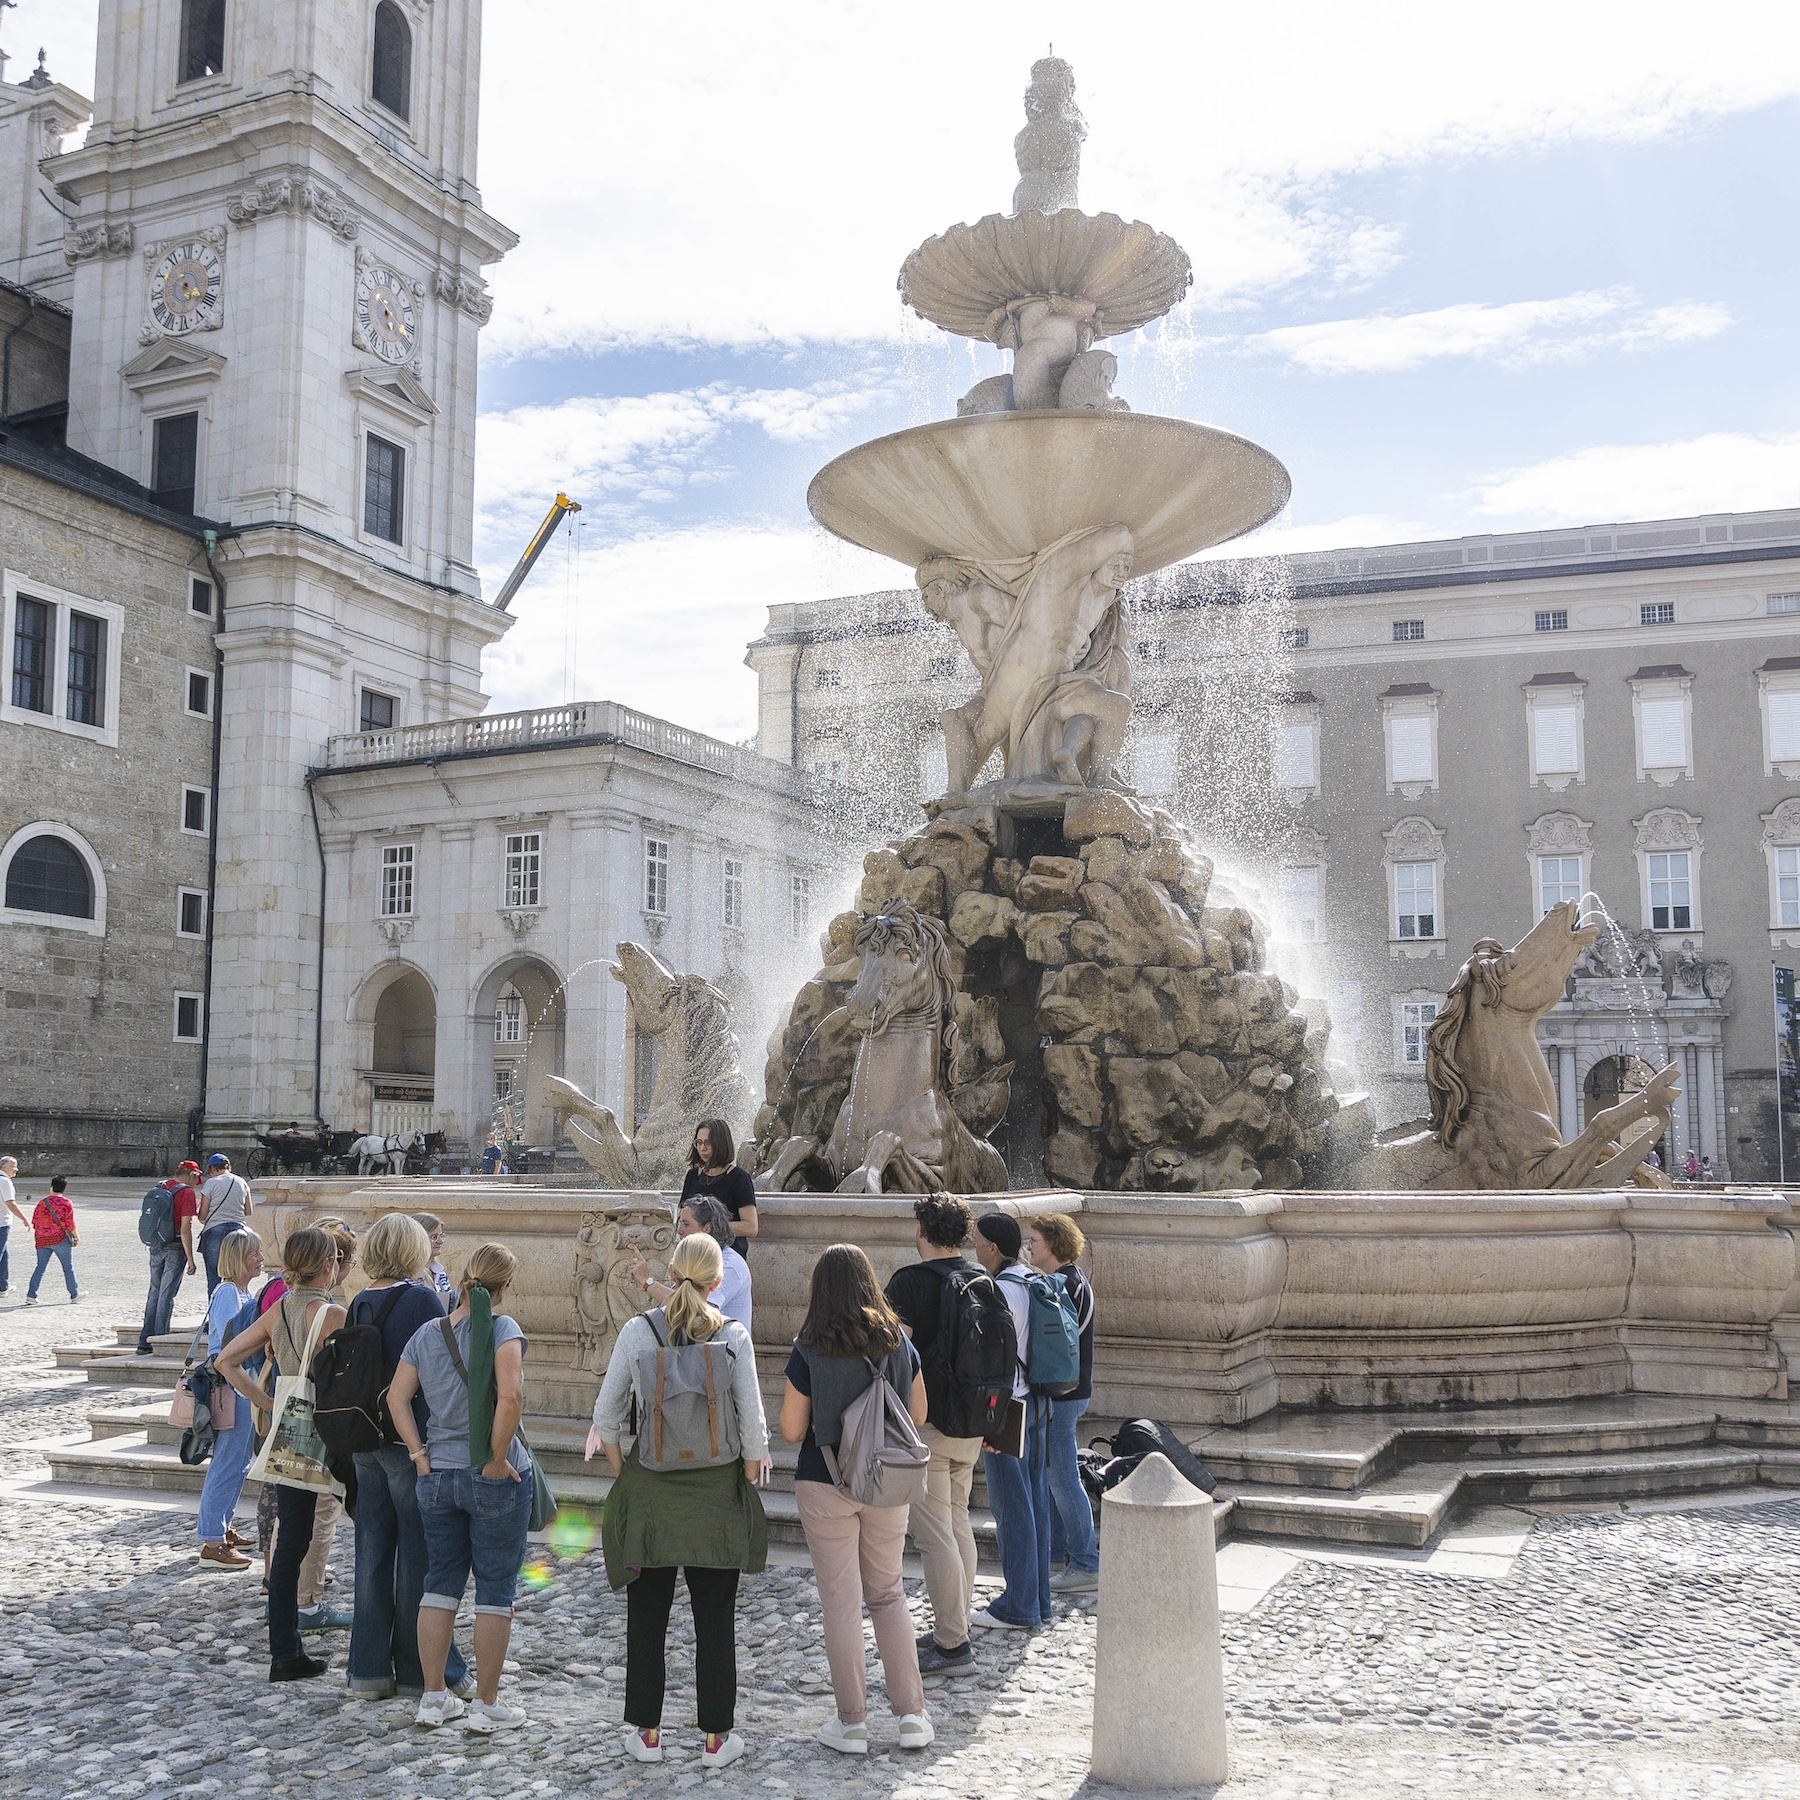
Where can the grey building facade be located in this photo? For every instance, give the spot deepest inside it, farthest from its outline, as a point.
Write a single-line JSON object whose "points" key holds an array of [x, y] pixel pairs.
{"points": [[1416, 746]]}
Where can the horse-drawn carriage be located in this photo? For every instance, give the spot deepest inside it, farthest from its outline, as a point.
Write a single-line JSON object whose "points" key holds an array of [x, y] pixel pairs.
{"points": [[328, 1152]]}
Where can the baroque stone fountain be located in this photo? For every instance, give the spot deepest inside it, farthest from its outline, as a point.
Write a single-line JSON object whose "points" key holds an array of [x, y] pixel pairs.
{"points": [[1047, 961]]}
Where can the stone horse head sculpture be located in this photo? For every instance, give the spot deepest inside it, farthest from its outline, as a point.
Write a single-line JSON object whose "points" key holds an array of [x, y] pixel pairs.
{"points": [[897, 1130], [1493, 1104], [697, 1077]]}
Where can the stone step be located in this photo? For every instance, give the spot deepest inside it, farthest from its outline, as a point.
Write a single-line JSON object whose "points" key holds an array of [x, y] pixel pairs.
{"points": [[1407, 1511], [1629, 1474]]}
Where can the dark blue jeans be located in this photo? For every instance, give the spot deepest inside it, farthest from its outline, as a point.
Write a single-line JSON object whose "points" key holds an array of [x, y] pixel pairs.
{"points": [[390, 1578], [1072, 1538], [210, 1240], [476, 1525], [1019, 1493], [293, 1538], [64, 1253], [167, 1266], [5, 1260]]}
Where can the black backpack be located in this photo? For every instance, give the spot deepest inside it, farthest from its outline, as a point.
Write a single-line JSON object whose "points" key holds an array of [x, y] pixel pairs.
{"points": [[350, 1383], [1138, 1438], [156, 1218], [969, 1366]]}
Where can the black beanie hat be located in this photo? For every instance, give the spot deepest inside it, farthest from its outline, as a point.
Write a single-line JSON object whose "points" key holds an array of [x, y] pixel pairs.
{"points": [[1002, 1231]]}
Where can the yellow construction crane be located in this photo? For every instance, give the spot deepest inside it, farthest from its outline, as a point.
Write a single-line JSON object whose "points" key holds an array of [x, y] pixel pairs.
{"points": [[539, 539]]}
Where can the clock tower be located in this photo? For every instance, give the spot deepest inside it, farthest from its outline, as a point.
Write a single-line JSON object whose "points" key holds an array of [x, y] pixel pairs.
{"points": [[276, 245]]}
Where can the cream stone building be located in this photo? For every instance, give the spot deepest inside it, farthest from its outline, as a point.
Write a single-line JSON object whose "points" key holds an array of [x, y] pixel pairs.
{"points": [[1452, 736]]}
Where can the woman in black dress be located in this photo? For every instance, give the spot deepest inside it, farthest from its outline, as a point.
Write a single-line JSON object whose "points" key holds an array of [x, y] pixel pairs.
{"points": [[712, 1169]]}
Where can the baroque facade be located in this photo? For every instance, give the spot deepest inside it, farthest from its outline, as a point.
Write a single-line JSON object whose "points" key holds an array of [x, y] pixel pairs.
{"points": [[1454, 736]]}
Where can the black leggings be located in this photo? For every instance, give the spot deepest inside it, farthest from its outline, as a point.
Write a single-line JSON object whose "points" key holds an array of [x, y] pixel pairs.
{"points": [[713, 1594], [293, 1538]]}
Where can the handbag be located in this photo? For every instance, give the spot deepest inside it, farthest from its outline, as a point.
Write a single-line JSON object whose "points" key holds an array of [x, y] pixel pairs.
{"points": [[181, 1407], [292, 1454], [543, 1499]]}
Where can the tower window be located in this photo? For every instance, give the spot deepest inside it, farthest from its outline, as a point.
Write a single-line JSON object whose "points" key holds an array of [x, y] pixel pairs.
{"points": [[202, 39], [31, 654], [384, 490], [174, 461], [391, 84], [377, 711]]}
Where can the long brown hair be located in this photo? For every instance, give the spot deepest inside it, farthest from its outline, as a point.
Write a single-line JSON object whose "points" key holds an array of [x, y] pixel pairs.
{"points": [[847, 1314], [724, 1146]]}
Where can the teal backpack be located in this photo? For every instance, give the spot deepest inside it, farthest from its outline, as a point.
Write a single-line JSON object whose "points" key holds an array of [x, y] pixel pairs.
{"points": [[1052, 1351]]}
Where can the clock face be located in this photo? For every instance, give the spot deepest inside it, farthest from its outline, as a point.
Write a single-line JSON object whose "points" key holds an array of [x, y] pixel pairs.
{"points": [[384, 311], [185, 288]]}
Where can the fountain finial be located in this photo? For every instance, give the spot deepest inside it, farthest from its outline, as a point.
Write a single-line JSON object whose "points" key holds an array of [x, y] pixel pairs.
{"points": [[1048, 150]]}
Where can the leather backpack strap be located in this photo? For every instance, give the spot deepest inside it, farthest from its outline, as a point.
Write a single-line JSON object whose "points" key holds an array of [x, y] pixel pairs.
{"points": [[449, 1332]]}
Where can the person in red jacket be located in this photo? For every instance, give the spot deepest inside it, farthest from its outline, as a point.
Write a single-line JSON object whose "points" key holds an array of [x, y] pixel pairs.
{"points": [[53, 1228]]}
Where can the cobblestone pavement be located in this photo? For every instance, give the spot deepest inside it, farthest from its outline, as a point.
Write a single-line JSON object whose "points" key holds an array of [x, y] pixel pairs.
{"points": [[1633, 1654]]}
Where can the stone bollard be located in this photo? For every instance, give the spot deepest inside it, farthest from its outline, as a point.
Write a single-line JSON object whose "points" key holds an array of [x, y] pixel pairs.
{"points": [[1159, 1677]]}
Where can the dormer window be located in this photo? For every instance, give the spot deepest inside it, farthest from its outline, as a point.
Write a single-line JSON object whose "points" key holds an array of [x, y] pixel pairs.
{"points": [[391, 85], [202, 39]]}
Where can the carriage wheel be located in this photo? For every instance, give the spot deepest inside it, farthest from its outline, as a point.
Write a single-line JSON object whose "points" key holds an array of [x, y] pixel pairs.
{"points": [[259, 1164]]}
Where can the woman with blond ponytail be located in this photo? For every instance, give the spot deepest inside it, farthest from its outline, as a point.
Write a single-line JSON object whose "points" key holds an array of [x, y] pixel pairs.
{"points": [[706, 1521], [474, 1483]]}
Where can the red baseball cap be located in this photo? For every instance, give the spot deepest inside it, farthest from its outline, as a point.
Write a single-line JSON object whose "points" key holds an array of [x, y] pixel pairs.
{"points": [[182, 1168]]}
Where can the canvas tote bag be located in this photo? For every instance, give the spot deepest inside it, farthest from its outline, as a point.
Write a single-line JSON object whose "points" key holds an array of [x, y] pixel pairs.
{"points": [[293, 1455]]}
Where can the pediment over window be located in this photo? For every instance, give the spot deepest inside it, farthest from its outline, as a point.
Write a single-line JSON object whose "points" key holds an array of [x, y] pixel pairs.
{"points": [[399, 390], [170, 361]]}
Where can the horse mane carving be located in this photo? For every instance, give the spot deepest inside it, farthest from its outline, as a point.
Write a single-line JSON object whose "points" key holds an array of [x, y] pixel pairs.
{"points": [[1487, 968], [899, 927]]}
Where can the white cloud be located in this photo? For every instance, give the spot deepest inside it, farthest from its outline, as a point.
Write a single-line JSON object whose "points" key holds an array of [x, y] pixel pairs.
{"points": [[1724, 471], [660, 620], [757, 174], [1518, 333]]}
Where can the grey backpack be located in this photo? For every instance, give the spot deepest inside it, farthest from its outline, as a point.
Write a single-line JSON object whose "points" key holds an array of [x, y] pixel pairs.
{"points": [[880, 1459], [689, 1413]]}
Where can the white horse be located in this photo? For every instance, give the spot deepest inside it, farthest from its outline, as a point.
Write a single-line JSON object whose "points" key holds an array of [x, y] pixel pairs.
{"points": [[393, 1151]]}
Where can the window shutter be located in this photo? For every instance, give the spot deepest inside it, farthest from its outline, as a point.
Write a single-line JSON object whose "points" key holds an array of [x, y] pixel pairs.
{"points": [[1663, 724], [1411, 747], [1294, 758], [1554, 735], [1784, 726]]}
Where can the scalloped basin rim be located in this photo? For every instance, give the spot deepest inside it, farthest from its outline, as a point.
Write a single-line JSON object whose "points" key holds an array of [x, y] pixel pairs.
{"points": [[1000, 485]]}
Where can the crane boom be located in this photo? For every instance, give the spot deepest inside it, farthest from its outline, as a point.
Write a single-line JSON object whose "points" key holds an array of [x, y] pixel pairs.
{"points": [[539, 540]]}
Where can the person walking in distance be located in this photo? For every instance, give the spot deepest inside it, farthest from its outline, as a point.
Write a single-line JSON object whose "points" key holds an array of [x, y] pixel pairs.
{"points": [[1053, 1246], [310, 1265], [849, 1340], [9, 1167], [474, 1484], [222, 1545], [706, 1520], [225, 1207], [166, 1229], [962, 1329], [1018, 1485], [53, 1231]]}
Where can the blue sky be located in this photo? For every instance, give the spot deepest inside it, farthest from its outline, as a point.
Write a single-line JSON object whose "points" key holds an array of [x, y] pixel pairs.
{"points": [[1471, 268]]}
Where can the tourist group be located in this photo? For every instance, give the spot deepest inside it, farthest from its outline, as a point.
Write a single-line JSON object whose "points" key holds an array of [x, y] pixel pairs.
{"points": [[403, 1408]]}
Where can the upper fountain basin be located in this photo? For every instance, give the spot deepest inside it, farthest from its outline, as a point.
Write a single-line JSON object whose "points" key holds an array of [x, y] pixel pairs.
{"points": [[965, 279], [999, 485]]}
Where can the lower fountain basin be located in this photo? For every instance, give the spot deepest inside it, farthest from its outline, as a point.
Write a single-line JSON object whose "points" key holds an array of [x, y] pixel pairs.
{"points": [[1001, 485]]}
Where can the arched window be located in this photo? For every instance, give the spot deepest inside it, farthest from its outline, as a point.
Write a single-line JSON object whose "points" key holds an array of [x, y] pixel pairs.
{"points": [[48, 875], [392, 84]]}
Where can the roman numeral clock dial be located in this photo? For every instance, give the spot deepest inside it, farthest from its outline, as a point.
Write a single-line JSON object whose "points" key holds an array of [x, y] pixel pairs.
{"points": [[186, 284], [386, 321]]}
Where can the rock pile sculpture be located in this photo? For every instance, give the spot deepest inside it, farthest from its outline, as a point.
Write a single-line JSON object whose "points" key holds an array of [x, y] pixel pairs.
{"points": [[1171, 1057]]}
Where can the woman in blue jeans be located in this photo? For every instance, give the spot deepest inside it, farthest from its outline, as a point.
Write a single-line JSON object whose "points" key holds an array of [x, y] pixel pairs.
{"points": [[390, 1540], [1053, 1246], [474, 1483], [221, 1544]]}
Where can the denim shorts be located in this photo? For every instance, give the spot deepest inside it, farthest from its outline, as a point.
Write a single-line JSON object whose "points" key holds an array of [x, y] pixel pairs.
{"points": [[473, 1524]]}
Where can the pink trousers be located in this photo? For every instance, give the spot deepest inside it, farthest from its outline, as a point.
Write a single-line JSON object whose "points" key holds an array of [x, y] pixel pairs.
{"points": [[856, 1553]]}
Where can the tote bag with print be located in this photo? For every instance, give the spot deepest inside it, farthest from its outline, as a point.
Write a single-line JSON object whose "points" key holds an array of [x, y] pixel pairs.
{"points": [[293, 1454]]}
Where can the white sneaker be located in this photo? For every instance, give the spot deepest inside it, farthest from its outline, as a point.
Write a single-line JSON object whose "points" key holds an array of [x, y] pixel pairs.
{"points": [[636, 1744], [985, 1621], [438, 1709], [31, 1299], [731, 1747], [915, 1731], [485, 1720], [852, 1740]]}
